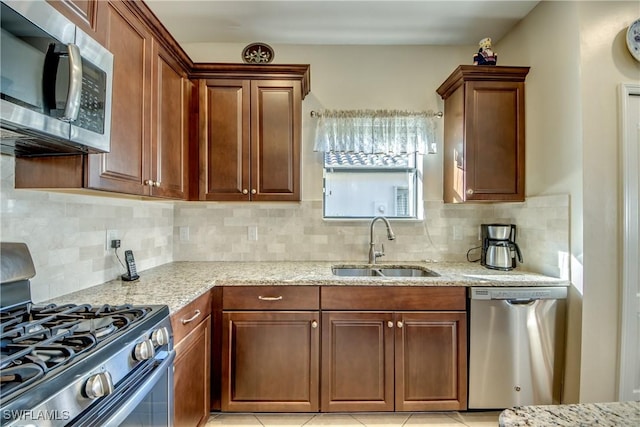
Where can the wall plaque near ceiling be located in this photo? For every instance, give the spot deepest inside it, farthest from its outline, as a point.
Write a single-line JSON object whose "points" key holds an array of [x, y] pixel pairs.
{"points": [[258, 53]]}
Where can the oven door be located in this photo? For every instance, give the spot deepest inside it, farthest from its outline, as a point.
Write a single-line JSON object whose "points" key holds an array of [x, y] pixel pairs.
{"points": [[143, 399]]}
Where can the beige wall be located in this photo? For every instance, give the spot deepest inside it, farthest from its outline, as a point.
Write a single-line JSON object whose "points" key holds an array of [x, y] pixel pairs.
{"points": [[578, 57]]}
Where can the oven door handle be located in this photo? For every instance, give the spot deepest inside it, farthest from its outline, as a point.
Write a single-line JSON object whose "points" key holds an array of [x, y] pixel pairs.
{"points": [[120, 408]]}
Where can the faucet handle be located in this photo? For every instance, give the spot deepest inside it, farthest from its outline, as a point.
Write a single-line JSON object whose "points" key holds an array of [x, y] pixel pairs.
{"points": [[379, 253]]}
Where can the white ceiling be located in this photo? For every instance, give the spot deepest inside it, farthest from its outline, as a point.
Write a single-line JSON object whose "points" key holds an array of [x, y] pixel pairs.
{"points": [[423, 22]]}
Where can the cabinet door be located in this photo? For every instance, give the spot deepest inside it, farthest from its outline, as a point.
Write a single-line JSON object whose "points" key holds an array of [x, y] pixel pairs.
{"points": [[270, 361], [170, 127], [83, 13], [224, 139], [275, 139], [191, 377], [431, 361], [357, 361], [125, 168], [494, 146]]}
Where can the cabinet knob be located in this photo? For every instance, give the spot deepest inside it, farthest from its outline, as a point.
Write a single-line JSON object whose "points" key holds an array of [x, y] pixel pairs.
{"points": [[253, 191], [390, 324], [245, 191], [400, 324], [148, 182], [156, 184], [314, 324], [469, 191]]}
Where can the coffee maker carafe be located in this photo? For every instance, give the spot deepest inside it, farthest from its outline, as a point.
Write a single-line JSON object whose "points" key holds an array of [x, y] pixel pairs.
{"points": [[499, 247]]}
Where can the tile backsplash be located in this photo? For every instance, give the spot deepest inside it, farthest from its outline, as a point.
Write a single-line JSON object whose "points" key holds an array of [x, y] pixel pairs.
{"points": [[66, 233], [297, 232]]}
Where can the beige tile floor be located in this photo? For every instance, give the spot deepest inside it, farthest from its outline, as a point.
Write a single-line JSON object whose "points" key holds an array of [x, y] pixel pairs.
{"points": [[412, 419]]}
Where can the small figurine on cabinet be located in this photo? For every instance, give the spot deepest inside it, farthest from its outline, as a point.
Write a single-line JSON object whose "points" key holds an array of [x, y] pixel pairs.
{"points": [[485, 55]]}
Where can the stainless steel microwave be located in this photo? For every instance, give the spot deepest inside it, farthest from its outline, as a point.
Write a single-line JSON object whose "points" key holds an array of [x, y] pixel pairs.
{"points": [[55, 86]]}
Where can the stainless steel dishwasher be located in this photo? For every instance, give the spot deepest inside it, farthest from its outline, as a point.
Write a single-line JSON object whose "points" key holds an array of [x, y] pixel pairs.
{"points": [[516, 346]]}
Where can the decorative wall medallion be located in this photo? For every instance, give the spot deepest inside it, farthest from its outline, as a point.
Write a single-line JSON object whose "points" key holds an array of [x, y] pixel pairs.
{"points": [[257, 53], [633, 39]]}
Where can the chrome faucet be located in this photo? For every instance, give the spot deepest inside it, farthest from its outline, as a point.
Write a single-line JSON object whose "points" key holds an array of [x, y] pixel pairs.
{"points": [[373, 253]]}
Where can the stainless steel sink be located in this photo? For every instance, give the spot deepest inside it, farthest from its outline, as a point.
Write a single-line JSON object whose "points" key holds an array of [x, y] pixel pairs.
{"points": [[383, 271]]}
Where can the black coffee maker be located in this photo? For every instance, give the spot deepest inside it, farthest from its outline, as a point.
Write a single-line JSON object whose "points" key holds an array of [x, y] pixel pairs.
{"points": [[499, 247]]}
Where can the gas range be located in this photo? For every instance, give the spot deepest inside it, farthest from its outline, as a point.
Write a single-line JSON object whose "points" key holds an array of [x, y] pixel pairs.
{"points": [[63, 365]]}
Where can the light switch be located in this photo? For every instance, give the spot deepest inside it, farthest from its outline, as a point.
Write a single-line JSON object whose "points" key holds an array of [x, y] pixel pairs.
{"points": [[184, 234], [252, 232]]}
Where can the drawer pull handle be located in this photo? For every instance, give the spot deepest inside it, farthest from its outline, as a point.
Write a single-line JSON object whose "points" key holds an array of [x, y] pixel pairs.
{"points": [[192, 318], [261, 298], [314, 324]]}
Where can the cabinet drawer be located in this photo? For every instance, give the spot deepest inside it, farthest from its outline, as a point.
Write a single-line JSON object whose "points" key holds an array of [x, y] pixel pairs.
{"points": [[271, 298], [393, 298], [188, 317]]}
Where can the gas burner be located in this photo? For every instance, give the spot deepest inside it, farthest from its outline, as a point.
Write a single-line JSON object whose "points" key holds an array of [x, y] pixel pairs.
{"points": [[53, 335], [21, 373]]}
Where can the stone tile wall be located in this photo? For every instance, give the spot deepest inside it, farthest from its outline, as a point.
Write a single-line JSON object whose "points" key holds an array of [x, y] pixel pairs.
{"points": [[296, 231], [66, 234]]}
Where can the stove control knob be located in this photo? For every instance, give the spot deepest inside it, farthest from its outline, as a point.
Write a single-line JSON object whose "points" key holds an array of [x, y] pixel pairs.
{"points": [[160, 337], [144, 350], [99, 385]]}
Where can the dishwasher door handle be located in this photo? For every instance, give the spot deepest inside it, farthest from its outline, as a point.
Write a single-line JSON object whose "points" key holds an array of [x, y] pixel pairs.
{"points": [[521, 301]]}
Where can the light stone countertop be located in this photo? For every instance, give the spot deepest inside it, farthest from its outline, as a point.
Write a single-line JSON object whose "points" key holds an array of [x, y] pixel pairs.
{"points": [[178, 283], [612, 414]]}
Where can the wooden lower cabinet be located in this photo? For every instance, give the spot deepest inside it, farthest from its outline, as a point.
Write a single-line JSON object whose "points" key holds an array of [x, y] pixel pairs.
{"points": [[341, 349], [192, 366], [431, 361], [270, 361], [191, 377], [386, 361], [357, 362]]}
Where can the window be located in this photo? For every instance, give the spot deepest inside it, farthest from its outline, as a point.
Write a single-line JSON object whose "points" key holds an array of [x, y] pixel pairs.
{"points": [[359, 185]]}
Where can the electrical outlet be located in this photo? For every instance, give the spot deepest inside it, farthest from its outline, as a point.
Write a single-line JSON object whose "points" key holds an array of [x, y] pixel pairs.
{"points": [[252, 232], [109, 236], [184, 234]]}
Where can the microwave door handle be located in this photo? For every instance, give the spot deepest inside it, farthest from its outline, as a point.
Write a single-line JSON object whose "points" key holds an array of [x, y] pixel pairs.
{"points": [[72, 107]]}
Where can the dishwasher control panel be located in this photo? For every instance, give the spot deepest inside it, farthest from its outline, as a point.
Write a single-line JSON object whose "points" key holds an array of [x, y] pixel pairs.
{"points": [[525, 293]]}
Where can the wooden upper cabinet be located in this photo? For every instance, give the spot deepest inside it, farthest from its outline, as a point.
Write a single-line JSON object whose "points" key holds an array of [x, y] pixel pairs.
{"points": [[224, 139], [150, 113], [171, 97], [83, 13], [276, 133], [250, 132], [484, 134], [126, 167]]}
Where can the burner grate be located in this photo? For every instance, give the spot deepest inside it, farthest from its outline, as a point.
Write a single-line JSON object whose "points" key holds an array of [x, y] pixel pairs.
{"points": [[37, 339]]}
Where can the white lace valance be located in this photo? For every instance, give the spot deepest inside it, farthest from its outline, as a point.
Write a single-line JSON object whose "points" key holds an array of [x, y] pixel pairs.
{"points": [[376, 131]]}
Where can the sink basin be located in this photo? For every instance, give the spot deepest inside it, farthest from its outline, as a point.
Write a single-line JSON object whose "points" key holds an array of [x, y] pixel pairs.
{"points": [[382, 271]]}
